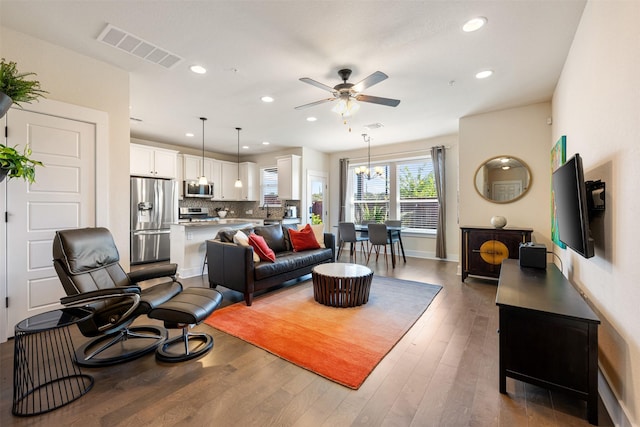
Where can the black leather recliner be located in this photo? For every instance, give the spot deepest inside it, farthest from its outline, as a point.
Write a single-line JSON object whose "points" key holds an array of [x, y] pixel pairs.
{"points": [[87, 263]]}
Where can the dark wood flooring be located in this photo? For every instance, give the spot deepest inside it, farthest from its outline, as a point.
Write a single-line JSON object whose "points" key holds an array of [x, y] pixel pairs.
{"points": [[443, 372]]}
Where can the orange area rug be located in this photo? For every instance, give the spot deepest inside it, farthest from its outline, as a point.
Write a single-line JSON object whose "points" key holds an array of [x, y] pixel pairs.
{"points": [[341, 344]]}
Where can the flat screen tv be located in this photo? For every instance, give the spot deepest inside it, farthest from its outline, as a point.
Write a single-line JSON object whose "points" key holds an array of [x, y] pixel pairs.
{"points": [[572, 213]]}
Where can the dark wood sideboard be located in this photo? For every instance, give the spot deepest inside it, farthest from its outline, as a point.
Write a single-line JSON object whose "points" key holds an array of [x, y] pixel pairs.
{"points": [[484, 248], [548, 333]]}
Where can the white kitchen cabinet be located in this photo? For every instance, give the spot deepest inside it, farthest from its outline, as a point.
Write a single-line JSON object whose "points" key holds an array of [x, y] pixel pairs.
{"points": [[249, 175], [180, 176], [212, 170], [155, 162], [228, 177], [289, 177], [192, 167]]}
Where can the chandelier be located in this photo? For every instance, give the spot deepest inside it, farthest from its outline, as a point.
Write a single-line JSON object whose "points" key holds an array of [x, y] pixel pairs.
{"points": [[366, 171]]}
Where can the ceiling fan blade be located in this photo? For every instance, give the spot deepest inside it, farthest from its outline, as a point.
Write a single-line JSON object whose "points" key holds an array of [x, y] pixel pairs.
{"points": [[377, 100], [317, 84], [311, 104], [373, 79]]}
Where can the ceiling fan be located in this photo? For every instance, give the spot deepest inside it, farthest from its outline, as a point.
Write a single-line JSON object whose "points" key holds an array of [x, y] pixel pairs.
{"points": [[346, 92]]}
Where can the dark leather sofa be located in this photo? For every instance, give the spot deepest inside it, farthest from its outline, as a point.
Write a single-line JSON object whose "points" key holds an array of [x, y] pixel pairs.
{"points": [[233, 267]]}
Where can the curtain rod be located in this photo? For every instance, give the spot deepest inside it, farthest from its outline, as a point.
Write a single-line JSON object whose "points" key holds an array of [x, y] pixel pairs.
{"points": [[399, 153]]}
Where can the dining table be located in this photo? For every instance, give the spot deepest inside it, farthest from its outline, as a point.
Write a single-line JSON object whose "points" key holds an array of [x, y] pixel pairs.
{"points": [[391, 231]]}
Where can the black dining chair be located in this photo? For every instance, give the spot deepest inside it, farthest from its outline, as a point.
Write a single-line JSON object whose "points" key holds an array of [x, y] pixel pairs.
{"points": [[347, 233], [378, 237], [395, 237]]}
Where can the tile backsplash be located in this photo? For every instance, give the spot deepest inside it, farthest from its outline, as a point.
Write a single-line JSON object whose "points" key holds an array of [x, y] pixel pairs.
{"points": [[238, 209]]}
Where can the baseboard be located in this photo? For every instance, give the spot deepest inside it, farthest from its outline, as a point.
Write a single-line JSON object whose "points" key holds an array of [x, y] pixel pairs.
{"points": [[614, 407], [190, 272]]}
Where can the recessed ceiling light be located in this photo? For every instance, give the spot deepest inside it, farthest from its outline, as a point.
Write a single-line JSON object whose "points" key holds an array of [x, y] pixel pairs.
{"points": [[311, 119], [245, 147], [484, 74], [189, 134], [267, 99], [198, 69], [265, 142], [474, 24]]}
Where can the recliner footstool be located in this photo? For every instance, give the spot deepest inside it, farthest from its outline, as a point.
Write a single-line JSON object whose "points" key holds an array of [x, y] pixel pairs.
{"points": [[190, 307]]}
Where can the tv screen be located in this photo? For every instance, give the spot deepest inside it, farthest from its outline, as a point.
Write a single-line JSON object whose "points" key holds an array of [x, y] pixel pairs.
{"points": [[571, 207]]}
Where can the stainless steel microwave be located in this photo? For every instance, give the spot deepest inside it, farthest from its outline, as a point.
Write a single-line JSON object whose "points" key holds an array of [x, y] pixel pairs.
{"points": [[193, 189]]}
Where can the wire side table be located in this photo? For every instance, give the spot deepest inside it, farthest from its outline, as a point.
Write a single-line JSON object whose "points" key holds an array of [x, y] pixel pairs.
{"points": [[45, 376]]}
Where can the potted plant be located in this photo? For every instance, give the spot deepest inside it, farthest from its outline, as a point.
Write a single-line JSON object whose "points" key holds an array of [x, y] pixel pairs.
{"points": [[17, 165], [14, 89]]}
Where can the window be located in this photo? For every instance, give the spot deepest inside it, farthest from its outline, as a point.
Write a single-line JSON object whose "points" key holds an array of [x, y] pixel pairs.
{"points": [[370, 195], [417, 195], [269, 187], [403, 189]]}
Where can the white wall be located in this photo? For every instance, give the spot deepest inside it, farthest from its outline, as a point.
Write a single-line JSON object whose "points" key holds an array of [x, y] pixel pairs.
{"points": [[521, 132], [597, 106], [422, 247], [76, 79]]}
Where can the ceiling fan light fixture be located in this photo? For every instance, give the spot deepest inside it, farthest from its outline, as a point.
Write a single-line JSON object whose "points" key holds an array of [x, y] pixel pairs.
{"points": [[346, 107]]}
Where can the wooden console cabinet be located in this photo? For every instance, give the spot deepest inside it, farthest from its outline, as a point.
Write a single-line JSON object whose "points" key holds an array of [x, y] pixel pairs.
{"points": [[548, 333], [484, 248]]}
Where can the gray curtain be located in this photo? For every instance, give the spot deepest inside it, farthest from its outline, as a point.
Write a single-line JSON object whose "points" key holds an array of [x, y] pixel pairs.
{"points": [[344, 169], [437, 157]]}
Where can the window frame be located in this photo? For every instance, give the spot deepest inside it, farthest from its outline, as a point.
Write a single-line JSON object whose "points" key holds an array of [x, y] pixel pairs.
{"points": [[263, 203]]}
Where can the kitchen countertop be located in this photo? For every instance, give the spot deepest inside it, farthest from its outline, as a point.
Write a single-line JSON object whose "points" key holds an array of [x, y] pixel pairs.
{"points": [[217, 223]]}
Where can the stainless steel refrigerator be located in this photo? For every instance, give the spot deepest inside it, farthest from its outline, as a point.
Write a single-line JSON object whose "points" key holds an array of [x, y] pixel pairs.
{"points": [[154, 206]]}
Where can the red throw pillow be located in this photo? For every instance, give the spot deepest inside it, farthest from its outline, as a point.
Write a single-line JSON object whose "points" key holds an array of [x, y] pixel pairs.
{"points": [[261, 248], [304, 239]]}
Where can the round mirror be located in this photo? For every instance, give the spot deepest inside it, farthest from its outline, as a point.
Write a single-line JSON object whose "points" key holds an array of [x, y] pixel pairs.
{"points": [[503, 179]]}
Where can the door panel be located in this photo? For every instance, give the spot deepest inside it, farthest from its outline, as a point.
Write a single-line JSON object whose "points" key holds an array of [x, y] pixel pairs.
{"points": [[62, 197]]}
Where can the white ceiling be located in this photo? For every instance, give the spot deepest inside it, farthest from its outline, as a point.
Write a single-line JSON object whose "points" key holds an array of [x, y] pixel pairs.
{"points": [[256, 48]]}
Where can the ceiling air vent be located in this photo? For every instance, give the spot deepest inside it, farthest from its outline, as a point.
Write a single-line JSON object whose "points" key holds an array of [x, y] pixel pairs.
{"points": [[134, 45]]}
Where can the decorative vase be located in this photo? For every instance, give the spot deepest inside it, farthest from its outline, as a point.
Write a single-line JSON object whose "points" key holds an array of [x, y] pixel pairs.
{"points": [[5, 104], [498, 221]]}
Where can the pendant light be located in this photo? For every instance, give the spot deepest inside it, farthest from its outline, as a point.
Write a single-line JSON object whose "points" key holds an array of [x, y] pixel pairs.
{"points": [[202, 179], [238, 181], [365, 171]]}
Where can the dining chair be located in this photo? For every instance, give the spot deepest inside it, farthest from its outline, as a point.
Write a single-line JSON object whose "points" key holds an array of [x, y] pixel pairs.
{"points": [[378, 237], [395, 237], [347, 233]]}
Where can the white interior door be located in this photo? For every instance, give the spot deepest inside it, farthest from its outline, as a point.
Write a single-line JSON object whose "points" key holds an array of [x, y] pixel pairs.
{"points": [[506, 190], [62, 197]]}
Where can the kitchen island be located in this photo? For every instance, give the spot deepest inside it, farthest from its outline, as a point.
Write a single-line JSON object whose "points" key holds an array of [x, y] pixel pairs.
{"points": [[188, 242]]}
